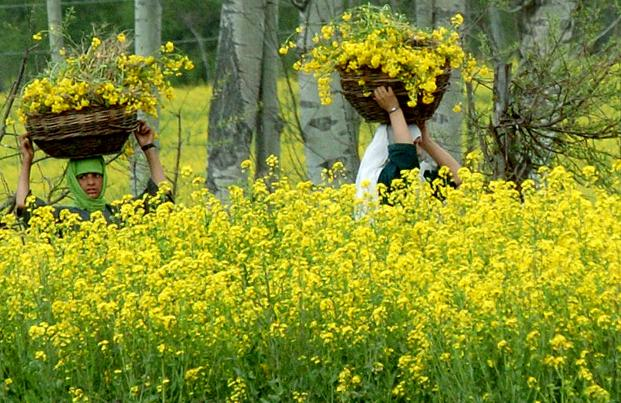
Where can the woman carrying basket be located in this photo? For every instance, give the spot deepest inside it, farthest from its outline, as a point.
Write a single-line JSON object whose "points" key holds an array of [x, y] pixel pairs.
{"points": [[86, 179], [395, 148]]}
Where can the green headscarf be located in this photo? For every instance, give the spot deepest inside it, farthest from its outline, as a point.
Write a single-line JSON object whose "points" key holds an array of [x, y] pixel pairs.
{"points": [[77, 167]]}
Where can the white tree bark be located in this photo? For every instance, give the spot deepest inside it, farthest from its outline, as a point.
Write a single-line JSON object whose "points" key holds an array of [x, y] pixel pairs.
{"points": [[330, 133], [423, 9], [545, 24], [242, 85], [446, 125], [540, 18], [148, 29], [269, 125], [54, 22], [500, 91]]}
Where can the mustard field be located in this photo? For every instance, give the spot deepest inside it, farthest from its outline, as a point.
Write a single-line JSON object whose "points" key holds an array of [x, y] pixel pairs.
{"points": [[300, 293]]}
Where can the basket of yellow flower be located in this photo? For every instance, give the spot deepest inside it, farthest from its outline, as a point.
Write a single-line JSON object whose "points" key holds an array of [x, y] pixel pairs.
{"points": [[84, 133], [371, 46], [356, 86], [86, 104]]}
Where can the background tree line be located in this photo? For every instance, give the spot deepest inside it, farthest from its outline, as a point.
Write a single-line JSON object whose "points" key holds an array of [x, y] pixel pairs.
{"points": [[192, 24]]}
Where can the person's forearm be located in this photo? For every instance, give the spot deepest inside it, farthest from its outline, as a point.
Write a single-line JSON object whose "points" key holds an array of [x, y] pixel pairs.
{"points": [[23, 185], [400, 127], [442, 158], [155, 166]]}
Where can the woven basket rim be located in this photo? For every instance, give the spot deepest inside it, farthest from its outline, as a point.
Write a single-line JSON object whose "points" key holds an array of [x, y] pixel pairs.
{"points": [[56, 147], [367, 70], [85, 123], [84, 110], [371, 111]]}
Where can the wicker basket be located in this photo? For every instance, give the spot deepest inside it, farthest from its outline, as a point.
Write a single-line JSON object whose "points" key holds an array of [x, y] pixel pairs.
{"points": [[79, 134], [368, 108]]}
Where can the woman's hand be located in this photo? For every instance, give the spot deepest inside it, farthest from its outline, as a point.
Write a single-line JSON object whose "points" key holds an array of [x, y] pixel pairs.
{"points": [[144, 134], [425, 138], [26, 149], [439, 154], [386, 99]]}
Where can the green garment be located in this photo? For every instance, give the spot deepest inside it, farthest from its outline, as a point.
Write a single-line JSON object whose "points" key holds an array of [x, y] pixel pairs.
{"points": [[402, 156], [77, 167]]}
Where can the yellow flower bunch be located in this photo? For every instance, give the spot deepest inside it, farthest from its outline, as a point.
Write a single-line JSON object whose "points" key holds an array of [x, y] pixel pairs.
{"points": [[103, 73], [374, 38]]}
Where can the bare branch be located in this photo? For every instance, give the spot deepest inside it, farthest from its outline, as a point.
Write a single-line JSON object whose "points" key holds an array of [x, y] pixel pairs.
{"points": [[60, 197], [593, 43], [175, 180], [13, 92]]}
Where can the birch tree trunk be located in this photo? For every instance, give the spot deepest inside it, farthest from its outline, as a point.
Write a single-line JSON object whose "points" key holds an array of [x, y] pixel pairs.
{"points": [[501, 138], [545, 24], [242, 85], [423, 10], [541, 18], [148, 28], [446, 125], [269, 124], [54, 22], [330, 132]]}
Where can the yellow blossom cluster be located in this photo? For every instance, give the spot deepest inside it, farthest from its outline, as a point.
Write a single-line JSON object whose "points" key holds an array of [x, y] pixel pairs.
{"points": [[285, 291], [103, 73], [370, 38]]}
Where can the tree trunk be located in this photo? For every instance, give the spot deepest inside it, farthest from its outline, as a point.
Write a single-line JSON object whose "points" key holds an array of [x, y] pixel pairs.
{"points": [[446, 125], [330, 132], [539, 20], [54, 22], [243, 82], [497, 35], [495, 153], [423, 10], [503, 137], [148, 28], [269, 124]]}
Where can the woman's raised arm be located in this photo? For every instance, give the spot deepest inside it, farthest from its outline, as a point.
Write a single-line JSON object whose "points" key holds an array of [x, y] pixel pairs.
{"points": [[23, 183], [145, 137], [439, 154]]}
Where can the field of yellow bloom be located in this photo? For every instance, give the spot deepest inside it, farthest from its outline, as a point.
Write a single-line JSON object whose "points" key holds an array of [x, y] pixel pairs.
{"points": [[284, 295]]}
